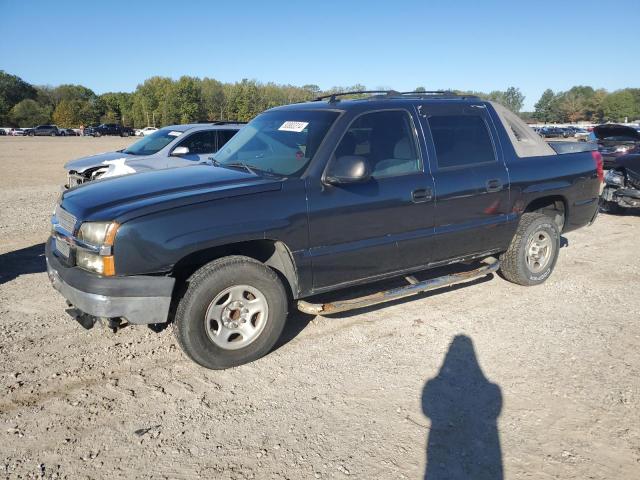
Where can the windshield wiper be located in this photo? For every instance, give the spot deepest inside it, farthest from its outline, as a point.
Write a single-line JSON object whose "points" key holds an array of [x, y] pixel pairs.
{"points": [[248, 168]]}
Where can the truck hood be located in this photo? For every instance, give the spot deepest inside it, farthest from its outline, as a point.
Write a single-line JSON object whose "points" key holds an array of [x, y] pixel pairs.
{"points": [[131, 196], [81, 164]]}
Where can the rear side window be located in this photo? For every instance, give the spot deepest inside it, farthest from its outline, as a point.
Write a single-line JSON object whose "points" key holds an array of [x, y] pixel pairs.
{"points": [[461, 140], [201, 142], [224, 136]]}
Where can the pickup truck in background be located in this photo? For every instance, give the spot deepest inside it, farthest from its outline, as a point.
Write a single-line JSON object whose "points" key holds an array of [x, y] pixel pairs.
{"points": [[317, 197]]}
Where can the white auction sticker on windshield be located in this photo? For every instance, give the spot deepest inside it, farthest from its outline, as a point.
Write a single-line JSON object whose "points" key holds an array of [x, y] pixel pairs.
{"points": [[175, 134], [290, 126]]}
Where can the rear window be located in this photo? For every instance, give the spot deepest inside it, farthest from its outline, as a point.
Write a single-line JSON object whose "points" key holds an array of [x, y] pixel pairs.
{"points": [[461, 140]]}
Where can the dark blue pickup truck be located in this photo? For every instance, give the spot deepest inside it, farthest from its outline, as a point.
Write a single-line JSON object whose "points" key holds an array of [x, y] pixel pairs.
{"points": [[316, 197]]}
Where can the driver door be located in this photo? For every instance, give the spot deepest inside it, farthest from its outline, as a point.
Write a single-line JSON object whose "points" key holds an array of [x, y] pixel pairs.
{"points": [[363, 230]]}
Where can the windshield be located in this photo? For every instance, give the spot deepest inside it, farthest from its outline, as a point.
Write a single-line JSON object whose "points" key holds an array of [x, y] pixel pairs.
{"points": [[153, 143], [279, 142]]}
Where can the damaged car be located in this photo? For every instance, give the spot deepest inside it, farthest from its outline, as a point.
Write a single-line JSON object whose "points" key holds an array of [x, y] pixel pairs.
{"points": [[622, 185], [172, 146], [615, 141]]}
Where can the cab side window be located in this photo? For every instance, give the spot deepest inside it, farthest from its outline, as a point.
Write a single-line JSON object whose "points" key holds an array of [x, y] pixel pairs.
{"points": [[386, 140], [461, 140], [224, 136], [200, 142]]}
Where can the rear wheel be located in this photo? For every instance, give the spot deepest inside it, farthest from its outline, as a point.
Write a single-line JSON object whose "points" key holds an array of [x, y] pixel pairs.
{"points": [[233, 312], [533, 251]]}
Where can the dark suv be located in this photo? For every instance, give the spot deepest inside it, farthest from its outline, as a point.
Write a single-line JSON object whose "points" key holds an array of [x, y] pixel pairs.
{"points": [[44, 130], [111, 129], [317, 197]]}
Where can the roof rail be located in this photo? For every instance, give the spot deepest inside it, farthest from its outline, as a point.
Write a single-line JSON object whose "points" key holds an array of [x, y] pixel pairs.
{"points": [[379, 94], [226, 122], [332, 96]]}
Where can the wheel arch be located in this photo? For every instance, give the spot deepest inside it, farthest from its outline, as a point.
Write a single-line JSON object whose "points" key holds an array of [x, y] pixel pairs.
{"points": [[549, 204], [273, 253]]}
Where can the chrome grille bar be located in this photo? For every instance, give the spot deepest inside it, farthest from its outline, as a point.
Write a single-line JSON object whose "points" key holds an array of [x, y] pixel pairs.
{"points": [[65, 219]]}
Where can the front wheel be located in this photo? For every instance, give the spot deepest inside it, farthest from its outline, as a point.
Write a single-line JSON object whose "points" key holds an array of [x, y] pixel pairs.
{"points": [[533, 251], [232, 313]]}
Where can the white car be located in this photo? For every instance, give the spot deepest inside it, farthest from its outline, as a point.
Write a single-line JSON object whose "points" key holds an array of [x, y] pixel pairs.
{"points": [[146, 131]]}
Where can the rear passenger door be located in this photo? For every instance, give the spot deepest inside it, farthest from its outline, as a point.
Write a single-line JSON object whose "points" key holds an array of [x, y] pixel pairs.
{"points": [[471, 179]]}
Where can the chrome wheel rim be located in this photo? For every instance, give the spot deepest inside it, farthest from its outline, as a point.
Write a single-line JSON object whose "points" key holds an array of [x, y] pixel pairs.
{"points": [[539, 251], [236, 317]]}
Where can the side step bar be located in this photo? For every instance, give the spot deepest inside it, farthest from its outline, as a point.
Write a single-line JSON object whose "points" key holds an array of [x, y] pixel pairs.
{"points": [[491, 265]]}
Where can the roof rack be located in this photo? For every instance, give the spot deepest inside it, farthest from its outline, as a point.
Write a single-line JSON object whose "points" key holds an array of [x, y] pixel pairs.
{"points": [[379, 94], [332, 96]]}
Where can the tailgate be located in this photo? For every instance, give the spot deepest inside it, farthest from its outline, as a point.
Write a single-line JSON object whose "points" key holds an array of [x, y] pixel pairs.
{"points": [[573, 147]]}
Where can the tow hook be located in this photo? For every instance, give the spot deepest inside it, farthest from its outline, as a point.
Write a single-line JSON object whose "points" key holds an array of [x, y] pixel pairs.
{"points": [[87, 321]]}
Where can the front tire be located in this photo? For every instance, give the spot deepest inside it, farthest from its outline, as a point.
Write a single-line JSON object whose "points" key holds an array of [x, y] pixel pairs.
{"points": [[533, 251], [232, 313]]}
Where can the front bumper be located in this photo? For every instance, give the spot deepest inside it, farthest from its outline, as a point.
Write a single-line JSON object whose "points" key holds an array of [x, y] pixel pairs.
{"points": [[137, 299]]}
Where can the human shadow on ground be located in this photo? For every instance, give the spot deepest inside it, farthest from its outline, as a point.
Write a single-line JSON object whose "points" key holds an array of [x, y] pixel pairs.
{"points": [[463, 406], [22, 262]]}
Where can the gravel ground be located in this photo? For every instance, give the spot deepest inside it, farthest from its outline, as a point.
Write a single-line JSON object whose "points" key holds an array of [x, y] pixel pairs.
{"points": [[540, 382]]}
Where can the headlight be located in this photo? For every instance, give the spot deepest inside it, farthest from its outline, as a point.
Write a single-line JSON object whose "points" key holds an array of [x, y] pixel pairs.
{"points": [[102, 236], [98, 233], [622, 149]]}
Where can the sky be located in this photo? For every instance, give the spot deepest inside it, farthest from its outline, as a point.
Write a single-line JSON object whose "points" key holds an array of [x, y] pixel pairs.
{"points": [[479, 45]]}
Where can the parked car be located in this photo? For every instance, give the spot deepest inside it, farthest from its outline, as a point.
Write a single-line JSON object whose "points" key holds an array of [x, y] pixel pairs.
{"points": [[44, 130], [551, 132], [173, 146], [3, 132], [622, 185], [111, 129], [17, 132], [145, 131], [615, 141], [67, 132], [312, 198]]}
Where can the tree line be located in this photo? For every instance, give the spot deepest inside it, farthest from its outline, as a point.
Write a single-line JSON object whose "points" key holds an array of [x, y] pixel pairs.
{"points": [[584, 103], [160, 101]]}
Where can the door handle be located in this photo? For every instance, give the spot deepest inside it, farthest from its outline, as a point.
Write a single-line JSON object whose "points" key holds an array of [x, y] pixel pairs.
{"points": [[494, 185], [421, 195]]}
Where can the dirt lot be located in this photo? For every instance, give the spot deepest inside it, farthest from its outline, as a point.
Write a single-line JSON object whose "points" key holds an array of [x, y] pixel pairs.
{"points": [[538, 382]]}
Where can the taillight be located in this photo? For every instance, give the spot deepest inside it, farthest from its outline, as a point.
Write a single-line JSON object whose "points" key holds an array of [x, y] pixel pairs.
{"points": [[597, 157]]}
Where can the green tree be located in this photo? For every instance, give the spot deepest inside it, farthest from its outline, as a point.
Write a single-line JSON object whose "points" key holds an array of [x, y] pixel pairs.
{"points": [[547, 109], [620, 106], [28, 113], [12, 91]]}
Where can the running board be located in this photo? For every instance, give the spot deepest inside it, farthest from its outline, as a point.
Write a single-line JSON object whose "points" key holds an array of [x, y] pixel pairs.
{"points": [[491, 265]]}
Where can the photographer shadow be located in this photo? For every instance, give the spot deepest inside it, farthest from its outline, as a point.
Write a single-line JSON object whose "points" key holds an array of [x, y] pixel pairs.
{"points": [[463, 406], [22, 262]]}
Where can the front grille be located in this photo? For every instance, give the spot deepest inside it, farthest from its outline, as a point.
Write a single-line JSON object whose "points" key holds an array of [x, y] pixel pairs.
{"points": [[65, 219]]}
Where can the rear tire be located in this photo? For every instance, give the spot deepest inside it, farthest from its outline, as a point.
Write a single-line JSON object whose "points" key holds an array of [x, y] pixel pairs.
{"points": [[218, 328], [533, 251]]}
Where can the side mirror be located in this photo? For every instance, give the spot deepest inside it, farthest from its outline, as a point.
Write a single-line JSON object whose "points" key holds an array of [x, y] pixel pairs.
{"points": [[179, 151], [348, 169]]}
